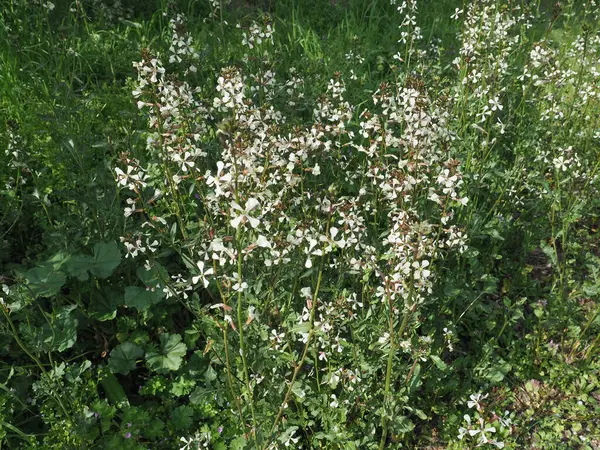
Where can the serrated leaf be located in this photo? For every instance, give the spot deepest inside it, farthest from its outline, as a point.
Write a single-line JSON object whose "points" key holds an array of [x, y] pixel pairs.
{"points": [[495, 376], [210, 375], [122, 358], [199, 395], [59, 333], [106, 259], [181, 417], [299, 392], [239, 443], [140, 298], [169, 356]]}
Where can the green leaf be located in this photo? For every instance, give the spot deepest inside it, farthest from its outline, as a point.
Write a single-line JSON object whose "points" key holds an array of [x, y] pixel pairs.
{"points": [[154, 278], [140, 298], [495, 376], [199, 395], [439, 363], [304, 327], [420, 414], [114, 391], [299, 392], [104, 304], [239, 443], [64, 329], [169, 356], [122, 358], [210, 375], [181, 417], [78, 266], [403, 424], [45, 281], [106, 259], [59, 260], [155, 430], [415, 381]]}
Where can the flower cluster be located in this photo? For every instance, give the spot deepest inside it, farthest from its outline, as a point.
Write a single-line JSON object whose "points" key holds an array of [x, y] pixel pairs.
{"points": [[375, 197], [182, 43], [256, 34]]}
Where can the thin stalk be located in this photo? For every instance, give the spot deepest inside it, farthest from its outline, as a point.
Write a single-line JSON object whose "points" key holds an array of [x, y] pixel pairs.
{"points": [[388, 372], [228, 359], [241, 336], [300, 364]]}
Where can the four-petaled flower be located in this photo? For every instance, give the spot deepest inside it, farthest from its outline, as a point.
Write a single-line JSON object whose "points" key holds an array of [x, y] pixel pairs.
{"points": [[202, 274], [242, 215]]}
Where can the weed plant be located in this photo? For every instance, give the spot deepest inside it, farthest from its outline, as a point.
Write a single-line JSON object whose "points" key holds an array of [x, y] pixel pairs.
{"points": [[306, 225]]}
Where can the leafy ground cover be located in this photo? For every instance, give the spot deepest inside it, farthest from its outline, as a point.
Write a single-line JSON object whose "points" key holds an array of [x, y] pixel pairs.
{"points": [[318, 225]]}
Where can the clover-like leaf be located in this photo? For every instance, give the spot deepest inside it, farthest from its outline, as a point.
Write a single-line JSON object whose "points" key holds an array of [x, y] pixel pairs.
{"points": [[106, 259], [169, 356], [122, 358]]}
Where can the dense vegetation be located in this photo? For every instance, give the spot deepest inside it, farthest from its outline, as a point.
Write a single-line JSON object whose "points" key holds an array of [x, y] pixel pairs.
{"points": [[336, 224]]}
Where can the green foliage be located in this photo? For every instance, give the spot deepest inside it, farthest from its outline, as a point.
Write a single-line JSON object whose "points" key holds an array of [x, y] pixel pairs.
{"points": [[106, 259], [123, 357], [333, 225], [169, 354]]}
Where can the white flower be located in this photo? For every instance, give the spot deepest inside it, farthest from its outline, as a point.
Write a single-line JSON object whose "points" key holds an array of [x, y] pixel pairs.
{"points": [[457, 13], [244, 213], [334, 403], [462, 431], [476, 400], [420, 269], [262, 241], [384, 339], [219, 180], [202, 274], [481, 431], [240, 285], [495, 104], [560, 163], [306, 292]]}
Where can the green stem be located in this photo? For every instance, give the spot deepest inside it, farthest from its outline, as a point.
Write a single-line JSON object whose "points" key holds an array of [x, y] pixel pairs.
{"points": [[228, 359], [241, 336], [300, 364], [388, 372]]}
